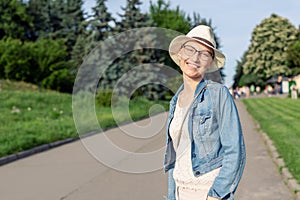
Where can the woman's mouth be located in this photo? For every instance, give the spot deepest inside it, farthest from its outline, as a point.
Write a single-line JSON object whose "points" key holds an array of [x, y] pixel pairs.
{"points": [[193, 65]]}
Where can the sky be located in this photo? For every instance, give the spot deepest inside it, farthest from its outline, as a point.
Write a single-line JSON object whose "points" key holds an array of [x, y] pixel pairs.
{"points": [[234, 20]]}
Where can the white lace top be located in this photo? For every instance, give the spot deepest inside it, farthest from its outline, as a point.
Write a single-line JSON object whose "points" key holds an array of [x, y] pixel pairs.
{"points": [[183, 174]]}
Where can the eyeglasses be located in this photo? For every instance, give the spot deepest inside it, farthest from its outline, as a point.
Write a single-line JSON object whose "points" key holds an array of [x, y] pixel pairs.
{"points": [[191, 51]]}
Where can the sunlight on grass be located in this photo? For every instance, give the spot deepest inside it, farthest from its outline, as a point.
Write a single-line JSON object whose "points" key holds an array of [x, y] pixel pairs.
{"points": [[30, 118], [279, 118]]}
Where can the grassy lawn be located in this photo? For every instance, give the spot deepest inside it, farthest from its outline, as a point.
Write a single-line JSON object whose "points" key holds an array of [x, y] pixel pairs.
{"points": [[30, 117], [279, 118]]}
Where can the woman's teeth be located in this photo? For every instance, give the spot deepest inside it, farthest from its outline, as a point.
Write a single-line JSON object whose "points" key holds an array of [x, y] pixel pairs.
{"points": [[193, 65]]}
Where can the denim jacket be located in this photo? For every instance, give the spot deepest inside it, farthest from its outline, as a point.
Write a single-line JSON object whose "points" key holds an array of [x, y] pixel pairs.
{"points": [[216, 139]]}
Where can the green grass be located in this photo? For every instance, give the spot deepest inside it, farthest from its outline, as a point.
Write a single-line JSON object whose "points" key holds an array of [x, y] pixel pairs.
{"points": [[279, 118], [31, 117]]}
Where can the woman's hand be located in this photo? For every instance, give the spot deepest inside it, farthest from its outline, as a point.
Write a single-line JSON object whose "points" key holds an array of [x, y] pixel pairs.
{"points": [[211, 198]]}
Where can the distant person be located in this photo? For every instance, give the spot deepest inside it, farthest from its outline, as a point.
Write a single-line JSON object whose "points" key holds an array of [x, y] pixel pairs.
{"points": [[252, 89], [257, 90], [294, 93], [278, 85], [205, 153], [247, 91], [293, 89]]}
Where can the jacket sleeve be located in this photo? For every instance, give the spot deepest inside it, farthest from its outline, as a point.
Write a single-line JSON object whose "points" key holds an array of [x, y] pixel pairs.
{"points": [[233, 146]]}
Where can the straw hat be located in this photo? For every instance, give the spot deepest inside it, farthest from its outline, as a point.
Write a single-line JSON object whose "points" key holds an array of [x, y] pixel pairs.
{"points": [[204, 35]]}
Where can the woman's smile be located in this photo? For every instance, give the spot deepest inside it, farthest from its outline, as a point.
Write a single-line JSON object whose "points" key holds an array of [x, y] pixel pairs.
{"points": [[192, 64]]}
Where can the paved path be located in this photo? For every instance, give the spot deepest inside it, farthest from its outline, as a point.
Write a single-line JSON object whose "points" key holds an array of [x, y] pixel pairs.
{"points": [[261, 179], [69, 172]]}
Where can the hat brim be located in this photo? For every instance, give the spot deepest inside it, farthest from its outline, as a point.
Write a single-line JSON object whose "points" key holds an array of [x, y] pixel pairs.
{"points": [[177, 42]]}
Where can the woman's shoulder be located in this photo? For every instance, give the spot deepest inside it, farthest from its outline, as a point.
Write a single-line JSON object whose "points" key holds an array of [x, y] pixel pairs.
{"points": [[216, 87], [213, 84]]}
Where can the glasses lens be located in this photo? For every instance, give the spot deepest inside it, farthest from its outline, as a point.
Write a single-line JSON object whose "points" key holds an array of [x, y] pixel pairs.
{"points": [[204, 55], [188, 50]]}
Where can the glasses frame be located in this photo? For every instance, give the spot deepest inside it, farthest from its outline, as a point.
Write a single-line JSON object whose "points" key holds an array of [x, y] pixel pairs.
{"points": [[201, 54]]}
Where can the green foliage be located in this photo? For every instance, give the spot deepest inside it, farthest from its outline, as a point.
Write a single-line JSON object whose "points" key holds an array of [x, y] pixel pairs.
{"points": [[71, 23], [96, 28], [100, 24], [39, 11], [15, 59], [165, 17], [45, 41], [249, 79], [293, 58], [239, 71], [21, 122], [103, 97], [14, 19], [50, 55], [266, 54], [59, 80], [42, 63], [58, 19], [137, 42], [279, 118]]}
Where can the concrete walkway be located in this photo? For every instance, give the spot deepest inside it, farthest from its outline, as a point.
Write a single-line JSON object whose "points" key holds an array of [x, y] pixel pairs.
{"points": [[70, 172]]}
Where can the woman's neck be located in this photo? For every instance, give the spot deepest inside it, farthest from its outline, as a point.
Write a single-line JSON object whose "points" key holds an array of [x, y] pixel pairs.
{"points": [[187, 94], [190, 85]]}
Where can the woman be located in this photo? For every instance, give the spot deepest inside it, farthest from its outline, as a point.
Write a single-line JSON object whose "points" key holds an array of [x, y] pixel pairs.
{"points": [[205, 155]]}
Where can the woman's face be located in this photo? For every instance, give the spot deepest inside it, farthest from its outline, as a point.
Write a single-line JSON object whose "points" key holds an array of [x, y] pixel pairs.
{"points": [[195, 59]]}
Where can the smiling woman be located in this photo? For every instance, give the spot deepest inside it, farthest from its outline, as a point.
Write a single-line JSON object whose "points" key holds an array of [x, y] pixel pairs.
{"points": [[205, 153], [194, 63]]}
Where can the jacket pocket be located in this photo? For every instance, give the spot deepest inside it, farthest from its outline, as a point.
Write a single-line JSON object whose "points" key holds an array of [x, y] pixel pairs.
{"points": [[202, 125]]}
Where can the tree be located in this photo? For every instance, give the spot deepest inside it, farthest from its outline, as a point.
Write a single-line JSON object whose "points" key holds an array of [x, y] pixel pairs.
{"points": [[72, 19], [66, 18], [239, 71], [267, 52], [95, 29], [15, 59], [293, 56], [14, 20], [135, 45], [42, 62], [100, 25], [39, 11], [56, 19], [50, 56], [165, 17]]}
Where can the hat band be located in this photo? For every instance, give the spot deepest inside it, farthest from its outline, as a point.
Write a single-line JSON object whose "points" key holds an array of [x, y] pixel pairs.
{"points": [[204, 40]]}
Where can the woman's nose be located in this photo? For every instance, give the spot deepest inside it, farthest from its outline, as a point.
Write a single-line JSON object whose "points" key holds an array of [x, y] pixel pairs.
{"points": [[195, 57]]}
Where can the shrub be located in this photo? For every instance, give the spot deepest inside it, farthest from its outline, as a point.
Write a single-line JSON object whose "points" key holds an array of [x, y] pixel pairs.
{"points": [[103, 97]]}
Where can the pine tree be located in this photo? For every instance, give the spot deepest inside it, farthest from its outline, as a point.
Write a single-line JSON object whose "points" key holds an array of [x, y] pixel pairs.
{"points": [[138, 38], [14, 20], [95, 29], [57, 19], [39, 10], [100, 25], [72, 21]]}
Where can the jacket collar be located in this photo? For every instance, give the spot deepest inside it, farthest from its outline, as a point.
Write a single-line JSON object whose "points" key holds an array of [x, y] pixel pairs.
{"points": [[199, 87]]}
